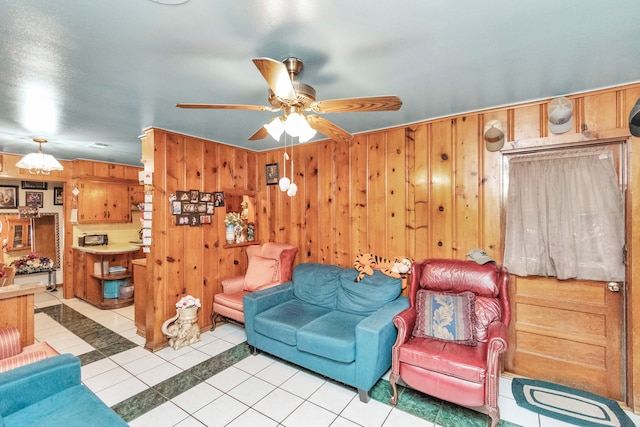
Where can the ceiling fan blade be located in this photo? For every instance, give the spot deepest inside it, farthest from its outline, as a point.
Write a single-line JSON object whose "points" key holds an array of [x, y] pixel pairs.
{"points": [[260, 134], [329, 129], [277, 76], [227, 107], [351, 105]]}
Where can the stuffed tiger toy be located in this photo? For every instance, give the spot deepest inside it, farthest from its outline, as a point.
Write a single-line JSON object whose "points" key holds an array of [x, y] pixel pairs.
{"points": [[366, 263]]}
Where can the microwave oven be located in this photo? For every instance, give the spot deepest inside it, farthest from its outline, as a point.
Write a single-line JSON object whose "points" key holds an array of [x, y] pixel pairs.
{"points": [[93, 240]]}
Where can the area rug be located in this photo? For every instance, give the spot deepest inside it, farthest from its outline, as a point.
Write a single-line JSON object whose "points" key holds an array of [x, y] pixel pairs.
{"points": [[568, 404]]}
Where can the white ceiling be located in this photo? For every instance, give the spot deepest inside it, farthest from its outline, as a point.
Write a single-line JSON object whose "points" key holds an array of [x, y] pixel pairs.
{"points": [[80, 72]]}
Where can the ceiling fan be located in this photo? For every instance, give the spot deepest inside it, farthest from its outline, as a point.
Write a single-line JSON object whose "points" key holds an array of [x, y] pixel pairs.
{"points": [[289, 95]]}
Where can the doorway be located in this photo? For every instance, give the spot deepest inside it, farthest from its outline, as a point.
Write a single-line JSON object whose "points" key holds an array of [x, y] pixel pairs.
{"points": [[570, 332]]}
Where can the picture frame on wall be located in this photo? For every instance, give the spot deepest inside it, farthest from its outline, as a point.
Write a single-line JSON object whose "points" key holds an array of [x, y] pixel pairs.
{"points": [[218, 199], [272, 173], [33, 199], [58, 197], [9, 196], [33, 185]]}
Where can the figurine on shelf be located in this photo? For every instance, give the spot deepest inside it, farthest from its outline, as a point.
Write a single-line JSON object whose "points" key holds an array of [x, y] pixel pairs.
{"points": [[251, 232]]}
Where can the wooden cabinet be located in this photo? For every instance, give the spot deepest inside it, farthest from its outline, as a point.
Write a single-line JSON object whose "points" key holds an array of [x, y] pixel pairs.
{"points": [[90, 283], [136, 194], [103, 202], [139, 267], [18, 234]]}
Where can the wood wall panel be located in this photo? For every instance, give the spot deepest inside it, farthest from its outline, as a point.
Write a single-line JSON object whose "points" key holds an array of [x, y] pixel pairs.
{"points": [[466, 185], [428, 189], [441, 211]]}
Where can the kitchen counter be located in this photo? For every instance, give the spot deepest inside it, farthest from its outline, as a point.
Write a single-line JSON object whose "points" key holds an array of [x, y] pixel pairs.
{"points": [[12, 291], [114, 248]]}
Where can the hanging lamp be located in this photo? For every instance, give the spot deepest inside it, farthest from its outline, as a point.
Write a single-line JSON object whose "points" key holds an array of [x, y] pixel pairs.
{"points": [[39, 163]]}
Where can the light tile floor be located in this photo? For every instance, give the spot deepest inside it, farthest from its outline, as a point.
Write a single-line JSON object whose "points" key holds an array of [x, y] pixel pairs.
{"points": [[255, 391]]}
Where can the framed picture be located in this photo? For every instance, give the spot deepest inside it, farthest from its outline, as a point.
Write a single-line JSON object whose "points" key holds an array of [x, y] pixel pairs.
{"points": [[8, 196], [194, 196], [183, 196], [33, 199], [176, 207], [218, 199], [205, 197], [272, 173], [58, 198], [33, 185]]}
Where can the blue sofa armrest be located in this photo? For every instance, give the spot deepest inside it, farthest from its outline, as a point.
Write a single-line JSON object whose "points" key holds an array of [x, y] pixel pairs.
{"points": [[375, 337], [259, 301], [26, 385]]}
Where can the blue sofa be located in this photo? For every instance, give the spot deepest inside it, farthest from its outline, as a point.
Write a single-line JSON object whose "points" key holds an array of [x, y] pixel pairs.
{"points": [[49, 393], [324, 321]]}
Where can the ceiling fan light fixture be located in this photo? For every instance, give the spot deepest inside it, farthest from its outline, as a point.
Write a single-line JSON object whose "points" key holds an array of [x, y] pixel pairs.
{"points": [[275, 128], [307, 134], [39, 163], [295, 124]]}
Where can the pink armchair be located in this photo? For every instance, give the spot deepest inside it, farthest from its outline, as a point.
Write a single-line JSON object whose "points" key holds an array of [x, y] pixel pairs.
{"points": [[269, 265], [460, 365], [12, 355]]}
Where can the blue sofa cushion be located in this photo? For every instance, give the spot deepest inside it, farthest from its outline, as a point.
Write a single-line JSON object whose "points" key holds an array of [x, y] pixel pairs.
{"points": [[282, 322], [316, 284], [74, 406], [368, 295], [332, 336]]}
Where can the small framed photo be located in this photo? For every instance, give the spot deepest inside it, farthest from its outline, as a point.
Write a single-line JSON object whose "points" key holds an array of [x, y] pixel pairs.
{"points": [[8, 196], [176, 207], [183, 196], [205, 219], [194, 220], [33, 199], [183, 219], [218, 199], [58, 198], [205, 197], [272, 174], [194, 196], [189, 207], [33, 185]]}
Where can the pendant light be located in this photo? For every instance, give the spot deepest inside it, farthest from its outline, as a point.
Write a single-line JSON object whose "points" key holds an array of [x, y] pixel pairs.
{"points": [[39, 163]]}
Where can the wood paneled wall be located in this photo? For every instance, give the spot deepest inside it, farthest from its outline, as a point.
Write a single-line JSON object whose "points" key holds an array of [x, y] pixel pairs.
{"points": [[429, 189]]}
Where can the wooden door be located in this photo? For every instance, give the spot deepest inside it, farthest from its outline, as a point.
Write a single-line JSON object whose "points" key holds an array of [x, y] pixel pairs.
{"points": [[118, 204], [570, 332], [92, 202], [45, 239]]}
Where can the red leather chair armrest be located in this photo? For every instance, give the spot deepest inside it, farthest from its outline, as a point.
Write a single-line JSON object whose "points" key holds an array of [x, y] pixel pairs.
{"points": [[404, 322], [497, 337]]}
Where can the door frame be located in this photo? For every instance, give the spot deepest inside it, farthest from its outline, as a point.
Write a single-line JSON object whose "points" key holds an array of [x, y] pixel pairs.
{"points": [[624, 168]]}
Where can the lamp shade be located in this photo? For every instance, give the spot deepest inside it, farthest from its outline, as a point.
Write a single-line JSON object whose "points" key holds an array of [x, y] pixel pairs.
{"points": [[275, 128], [295, 124], [39, 163]]}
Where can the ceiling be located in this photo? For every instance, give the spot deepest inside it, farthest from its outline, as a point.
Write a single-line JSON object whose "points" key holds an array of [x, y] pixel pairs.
{"points": [[85, 74]]}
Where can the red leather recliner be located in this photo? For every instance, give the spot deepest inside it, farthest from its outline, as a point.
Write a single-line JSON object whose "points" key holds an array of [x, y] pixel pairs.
{"points": [[462, 374]]}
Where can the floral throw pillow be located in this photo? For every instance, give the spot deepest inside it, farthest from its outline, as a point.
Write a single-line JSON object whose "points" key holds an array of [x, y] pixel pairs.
{"points": [[446, 317]]}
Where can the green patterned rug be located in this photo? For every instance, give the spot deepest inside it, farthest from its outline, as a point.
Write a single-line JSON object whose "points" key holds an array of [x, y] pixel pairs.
{"points": [[568, 404]]}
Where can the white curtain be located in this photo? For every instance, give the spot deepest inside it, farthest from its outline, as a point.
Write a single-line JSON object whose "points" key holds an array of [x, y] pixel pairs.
{"points": [[565, 216]]}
